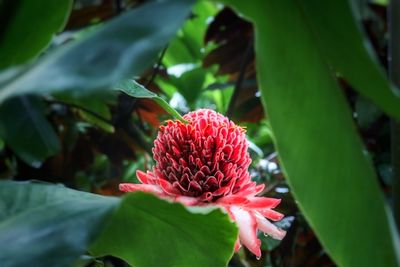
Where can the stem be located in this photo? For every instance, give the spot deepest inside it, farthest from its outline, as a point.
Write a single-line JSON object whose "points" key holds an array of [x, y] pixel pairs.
{"points": [[94, 114], [239, 82], [395, 157], [157, 67], [162, 103], [118, 6], [394, 76], [137, 135]]}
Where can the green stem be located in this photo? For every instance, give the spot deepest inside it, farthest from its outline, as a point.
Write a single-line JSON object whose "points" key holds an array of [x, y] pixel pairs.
{"points": [[169, 109], [394, 75]]}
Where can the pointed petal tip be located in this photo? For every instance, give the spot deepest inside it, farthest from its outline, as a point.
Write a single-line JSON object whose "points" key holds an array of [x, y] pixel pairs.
{"points": [[149, 188], [271, 214], [247, 224], [143, 177], [281, 234], [269, 228], [168, 188], [255, 249], [262, 202], [125, 187], [237, 245], [259, 188]]}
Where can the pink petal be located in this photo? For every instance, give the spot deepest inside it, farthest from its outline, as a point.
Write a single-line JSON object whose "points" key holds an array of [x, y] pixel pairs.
{"points": [[268, 228], [206, 197], [237, 245], [262, 202], [259, 188], [271, 214], [168, 188], [220, 191], [233, 200], [143, 177], [155, 189], [247, 224], [188, 201], [250, 189]]}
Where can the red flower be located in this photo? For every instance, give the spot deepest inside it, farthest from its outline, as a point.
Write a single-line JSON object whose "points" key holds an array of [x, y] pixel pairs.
{"points": [[205, 162]]}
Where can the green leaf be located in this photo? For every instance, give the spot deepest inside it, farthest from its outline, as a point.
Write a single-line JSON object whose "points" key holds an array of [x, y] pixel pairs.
{"points": [[187, 46], [343, 46], [47, 225], [93, 108], [52, 226], [26, 131], [132, 88], [146, 231], [190, 83], [312, 123], [25, 30], [123, 47], [90, 118], [179, 53], [367, 113], [27, 27]]}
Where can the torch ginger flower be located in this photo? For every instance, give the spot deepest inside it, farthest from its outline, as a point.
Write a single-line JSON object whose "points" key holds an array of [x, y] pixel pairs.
{"points": [[205, 162]]}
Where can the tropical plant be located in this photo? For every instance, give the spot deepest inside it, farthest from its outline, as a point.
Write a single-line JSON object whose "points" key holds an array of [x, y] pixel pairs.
{"points": [[86, 87]]}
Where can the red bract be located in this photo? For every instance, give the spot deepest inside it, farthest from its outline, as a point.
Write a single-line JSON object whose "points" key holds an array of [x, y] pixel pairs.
{"points": [[205, 162]]}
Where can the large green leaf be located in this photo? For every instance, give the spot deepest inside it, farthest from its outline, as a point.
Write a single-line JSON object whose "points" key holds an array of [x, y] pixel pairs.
{"points": [[125, 46], [187, 46], [28, 26], [341, 43], [25, 30], [47, 225], [147, 232], [190, 83], [312, 123], [26, 131]]}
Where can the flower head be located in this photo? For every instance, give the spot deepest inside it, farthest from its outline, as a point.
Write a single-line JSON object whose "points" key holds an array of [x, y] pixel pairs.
{"points": [[205, 162]]}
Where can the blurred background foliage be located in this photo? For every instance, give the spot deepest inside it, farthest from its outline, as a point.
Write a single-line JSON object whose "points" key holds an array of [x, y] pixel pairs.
{"points": [[74, 132]]}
